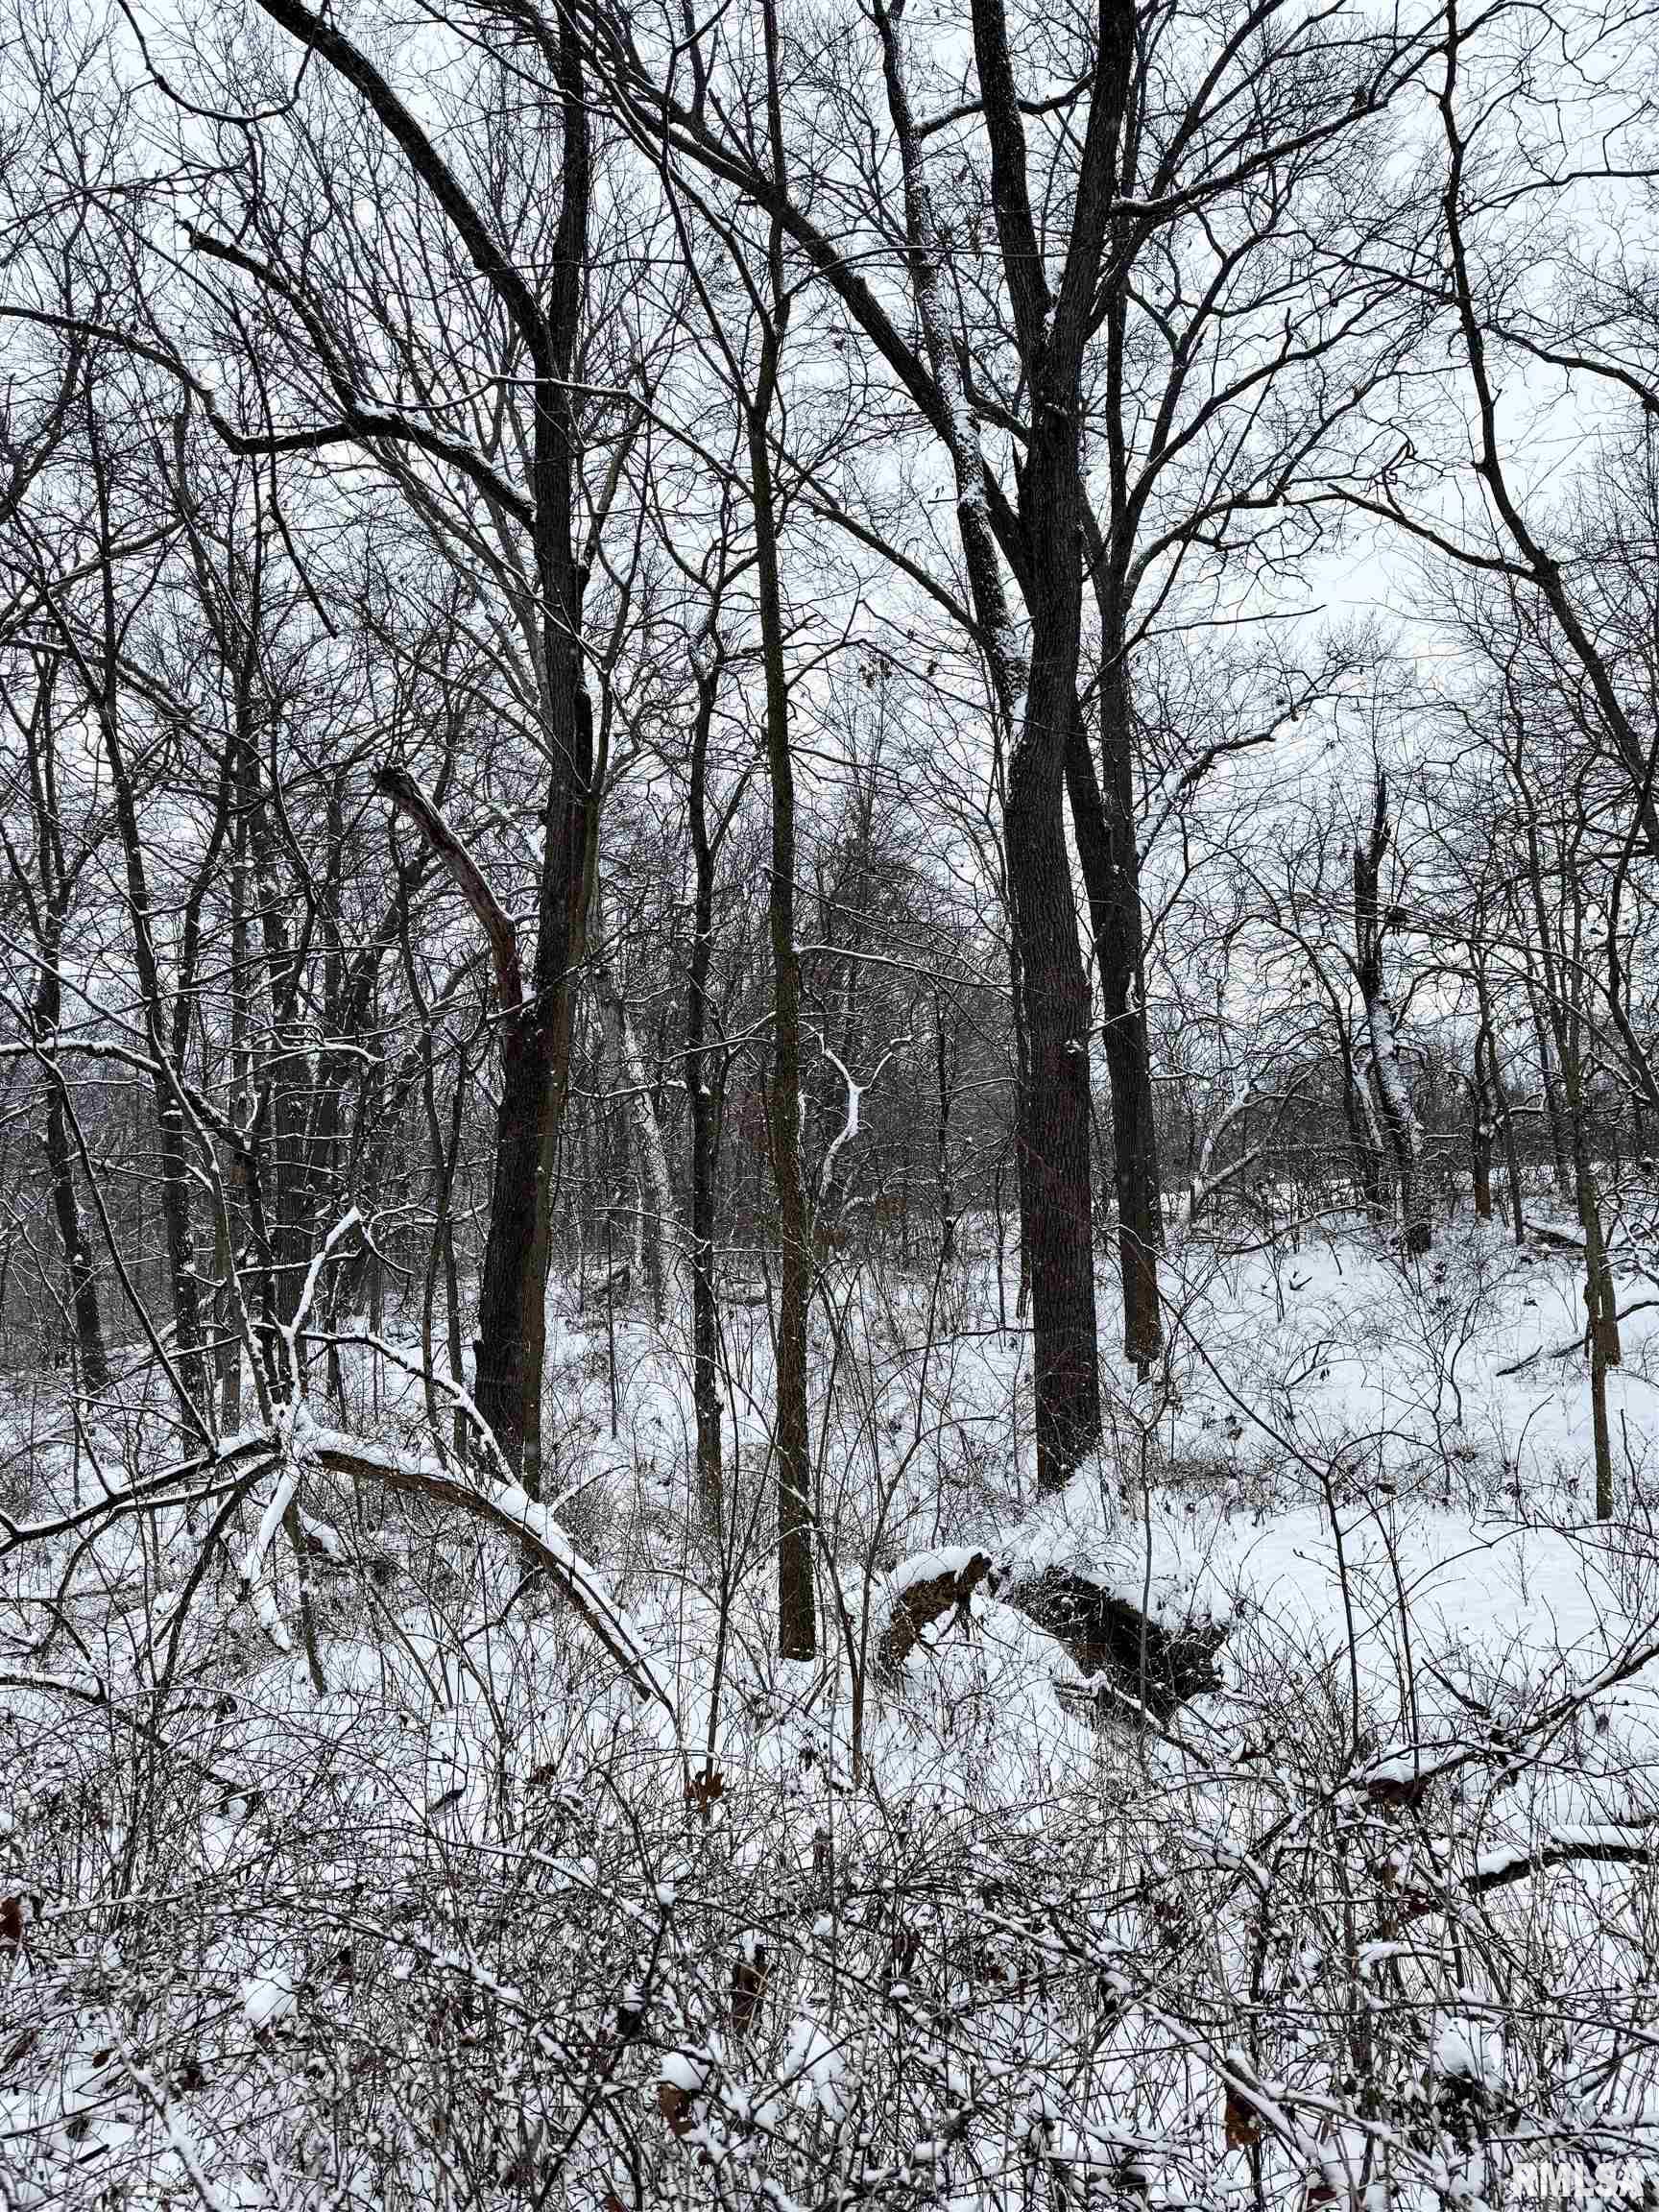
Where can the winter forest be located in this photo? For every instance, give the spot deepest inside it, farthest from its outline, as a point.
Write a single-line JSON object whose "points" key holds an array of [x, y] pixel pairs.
{"points": [[828, 1091]]}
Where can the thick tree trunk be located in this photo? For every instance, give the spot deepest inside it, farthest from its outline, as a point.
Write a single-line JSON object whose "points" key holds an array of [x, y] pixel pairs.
{"points": [[512, 1315], [535, 1041], [1055, 1186], [536, 1065], [797, 1614], [1104, 825], [1035, 712], [1055, 1194]]}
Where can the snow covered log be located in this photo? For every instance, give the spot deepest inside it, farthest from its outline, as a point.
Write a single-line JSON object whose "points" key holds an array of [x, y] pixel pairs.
{"points": [[1137, 1658], [920, 1590], [1111, 1640]]}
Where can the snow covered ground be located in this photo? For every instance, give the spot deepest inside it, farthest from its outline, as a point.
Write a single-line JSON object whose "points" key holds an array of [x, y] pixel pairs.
{"points": [[512, 1913]]}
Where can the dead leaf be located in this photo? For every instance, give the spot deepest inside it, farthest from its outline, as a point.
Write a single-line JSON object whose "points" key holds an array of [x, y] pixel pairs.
{"points": [[705, 1791], [11, 1923], [1241, 2121], [675, 2105]]}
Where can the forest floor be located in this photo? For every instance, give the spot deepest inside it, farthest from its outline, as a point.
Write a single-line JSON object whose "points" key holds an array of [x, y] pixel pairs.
{"points": [[476, 1924]]}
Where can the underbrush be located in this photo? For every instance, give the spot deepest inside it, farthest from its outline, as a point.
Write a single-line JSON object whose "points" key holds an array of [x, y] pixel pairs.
{"points": [[477, 1925]]}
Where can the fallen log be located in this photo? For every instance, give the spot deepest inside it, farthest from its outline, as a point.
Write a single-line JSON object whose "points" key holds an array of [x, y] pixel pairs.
{"points": [[922, 1591], [1143, 1660], [1105, 1636]]}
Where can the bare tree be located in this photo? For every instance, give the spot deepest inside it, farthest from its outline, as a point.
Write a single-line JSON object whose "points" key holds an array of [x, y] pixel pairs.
{"points": [[1372, 920]]}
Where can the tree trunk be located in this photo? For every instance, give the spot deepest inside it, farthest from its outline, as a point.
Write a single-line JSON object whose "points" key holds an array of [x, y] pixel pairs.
{"points": [[82, 1282], [1554, 1106], [173, 1171], [1503, 1121], [1055, 1186], [1056, 1231], [1481, 1159], [1393, 1099], [1356, 1116], [705, 1313], [797, 1611], [947, 1186], [237, 1108], [655, 1230], [77, 1258], [512, 1301], [536, 1040], [1563, 980], [1036, 712], [1106, 846]]}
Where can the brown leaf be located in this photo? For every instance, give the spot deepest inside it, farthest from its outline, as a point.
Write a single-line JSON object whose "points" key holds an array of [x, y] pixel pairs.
{"points": [[11, 1923], [704, 1790], [1241, 2121], [18, 2051], [675, 2105]]}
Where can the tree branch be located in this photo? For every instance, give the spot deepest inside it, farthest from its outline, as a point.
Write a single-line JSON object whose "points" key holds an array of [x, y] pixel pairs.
{"points": [[474, 886]]}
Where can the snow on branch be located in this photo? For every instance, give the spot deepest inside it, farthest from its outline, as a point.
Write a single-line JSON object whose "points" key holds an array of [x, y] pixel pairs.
{"points": [[849, 1129], [508, 1508], [1614, 1844]]}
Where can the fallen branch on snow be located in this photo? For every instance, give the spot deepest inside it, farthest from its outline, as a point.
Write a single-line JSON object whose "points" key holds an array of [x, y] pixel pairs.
{"points": [[1624, 1844], [1564, 1351]]}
